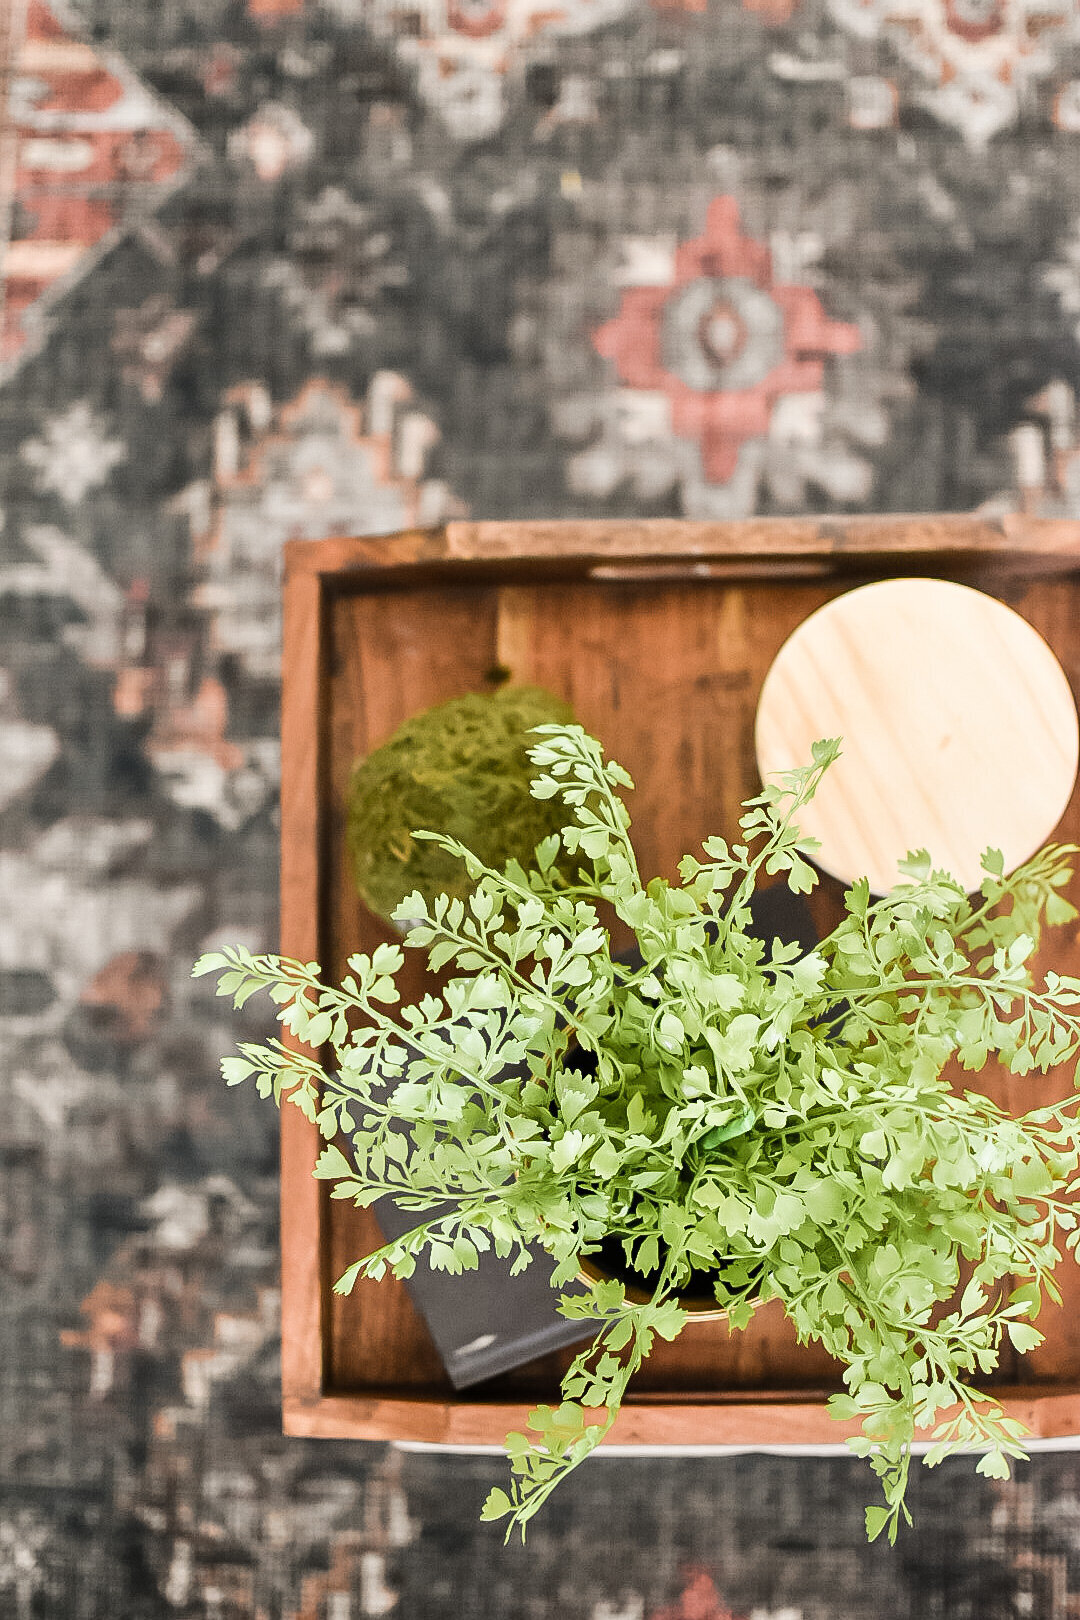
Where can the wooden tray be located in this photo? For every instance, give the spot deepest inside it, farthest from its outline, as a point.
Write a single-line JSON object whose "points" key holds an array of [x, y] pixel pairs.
{"points": [[660, 635]]}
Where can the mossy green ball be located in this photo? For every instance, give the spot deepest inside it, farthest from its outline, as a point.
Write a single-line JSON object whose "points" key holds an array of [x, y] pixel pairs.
{"points": [[460, 768]]}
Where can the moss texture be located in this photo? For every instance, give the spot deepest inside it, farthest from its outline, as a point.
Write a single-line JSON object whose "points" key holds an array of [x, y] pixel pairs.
{"points": [[459, 768]]}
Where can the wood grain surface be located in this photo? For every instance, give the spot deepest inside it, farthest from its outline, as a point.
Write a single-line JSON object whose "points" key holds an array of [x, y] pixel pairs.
{"points": [[1013, 542], [958, 727], [303, 1202], [666, 667]]}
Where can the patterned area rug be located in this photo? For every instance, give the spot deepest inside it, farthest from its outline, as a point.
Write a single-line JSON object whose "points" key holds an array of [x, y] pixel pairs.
{"points": [[278, 268]]}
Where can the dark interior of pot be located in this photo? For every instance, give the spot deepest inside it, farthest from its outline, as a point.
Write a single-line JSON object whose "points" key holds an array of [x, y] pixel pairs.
{"points": [[700, 1293]]}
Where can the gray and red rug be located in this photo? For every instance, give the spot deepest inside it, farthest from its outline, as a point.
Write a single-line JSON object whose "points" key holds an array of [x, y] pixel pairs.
{"points": [[276, 268]]}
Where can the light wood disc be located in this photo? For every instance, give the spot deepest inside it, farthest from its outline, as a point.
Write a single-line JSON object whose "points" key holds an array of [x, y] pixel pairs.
{"points": [[959, 729]]}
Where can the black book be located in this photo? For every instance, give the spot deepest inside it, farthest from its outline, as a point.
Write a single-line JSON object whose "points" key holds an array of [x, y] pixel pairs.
{"points": [[485, 1322]]}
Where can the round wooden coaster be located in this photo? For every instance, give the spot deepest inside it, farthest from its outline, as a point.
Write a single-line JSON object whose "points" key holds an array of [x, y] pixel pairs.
{"points": [[959, 729]]}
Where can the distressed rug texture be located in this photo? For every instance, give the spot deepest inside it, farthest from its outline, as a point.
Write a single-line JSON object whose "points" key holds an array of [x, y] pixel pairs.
{"points": [[277, 268]]}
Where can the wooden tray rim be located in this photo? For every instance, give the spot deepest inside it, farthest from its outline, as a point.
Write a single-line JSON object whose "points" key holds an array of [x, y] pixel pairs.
{"points": [[765, 541], [749, 1422]]}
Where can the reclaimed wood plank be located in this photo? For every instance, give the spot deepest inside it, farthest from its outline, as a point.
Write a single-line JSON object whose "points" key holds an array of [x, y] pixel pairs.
{"points": [[303, 1264], [785, 1418], [1026, 543]]}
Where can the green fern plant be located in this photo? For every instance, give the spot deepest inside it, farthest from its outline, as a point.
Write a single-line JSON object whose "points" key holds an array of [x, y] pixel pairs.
{"points": [[782, 1119]]}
